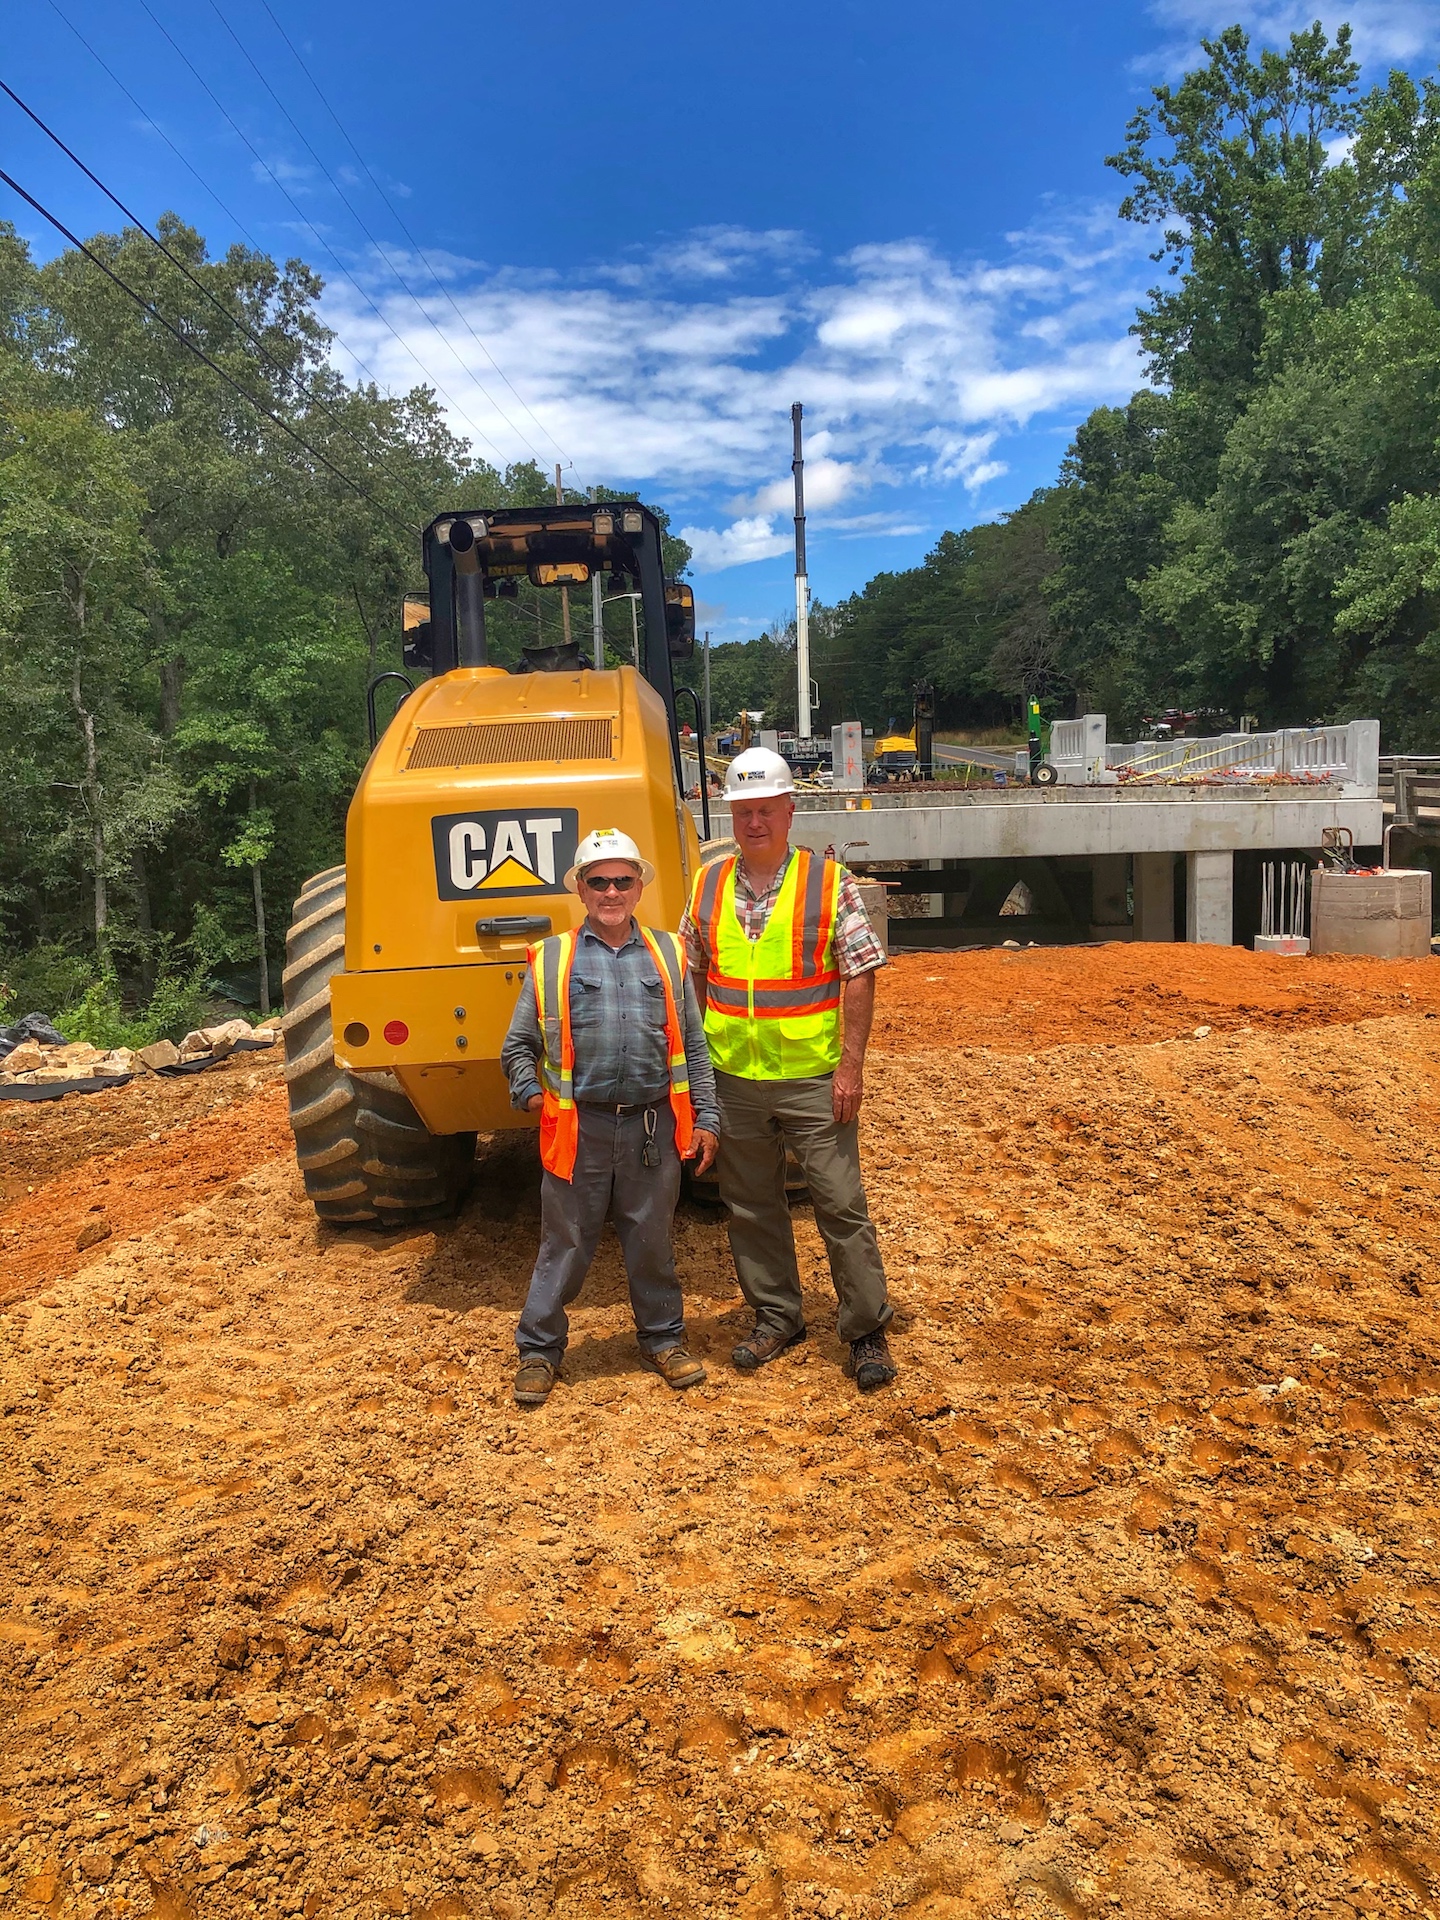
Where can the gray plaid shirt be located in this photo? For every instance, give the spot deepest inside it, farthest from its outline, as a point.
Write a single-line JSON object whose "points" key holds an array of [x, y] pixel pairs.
{"points": [[617, 1014]]}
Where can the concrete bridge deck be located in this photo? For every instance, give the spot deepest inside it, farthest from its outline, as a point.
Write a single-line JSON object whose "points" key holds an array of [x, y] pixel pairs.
{"points": [[1155, 860]]}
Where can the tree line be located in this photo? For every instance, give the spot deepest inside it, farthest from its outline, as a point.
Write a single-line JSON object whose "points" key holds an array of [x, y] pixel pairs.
{"points": [[193, 598], [1258, 530]]}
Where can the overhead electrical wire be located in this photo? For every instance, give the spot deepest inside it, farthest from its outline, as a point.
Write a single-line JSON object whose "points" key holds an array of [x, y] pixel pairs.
{"points": [[200, 354], [360, 222], [203, 183], [399, 220], [241, 326], [300, 215]]}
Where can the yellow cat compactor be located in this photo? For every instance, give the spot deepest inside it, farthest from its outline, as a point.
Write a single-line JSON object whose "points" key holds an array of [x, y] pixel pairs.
{"points": [[404, 965]]}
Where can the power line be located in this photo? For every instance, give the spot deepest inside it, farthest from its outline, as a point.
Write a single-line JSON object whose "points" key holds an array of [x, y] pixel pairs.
{"points": [[203, 183], [355, 215], [400, 222], [241, 326], [314, 231], [200, 354]]}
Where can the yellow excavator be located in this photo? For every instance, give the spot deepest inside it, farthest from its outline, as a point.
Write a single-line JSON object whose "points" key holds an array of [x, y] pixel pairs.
{"points": [[404, 964]]}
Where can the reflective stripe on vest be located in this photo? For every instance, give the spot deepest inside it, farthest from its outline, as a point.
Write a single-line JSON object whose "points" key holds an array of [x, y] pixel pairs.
{"points": [[773, 1009], [550, 965]]}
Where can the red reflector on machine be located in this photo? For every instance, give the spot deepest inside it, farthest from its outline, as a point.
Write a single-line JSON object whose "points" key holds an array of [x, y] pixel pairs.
{"points": [[396, 1033]]}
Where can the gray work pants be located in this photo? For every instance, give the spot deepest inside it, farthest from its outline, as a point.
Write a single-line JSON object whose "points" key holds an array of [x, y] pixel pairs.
{"points": [[609, 1180], [758, 1118]]}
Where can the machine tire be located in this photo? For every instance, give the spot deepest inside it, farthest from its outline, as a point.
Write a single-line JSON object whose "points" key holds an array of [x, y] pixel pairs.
{"points": [[1044, 775], [365, 1154]]}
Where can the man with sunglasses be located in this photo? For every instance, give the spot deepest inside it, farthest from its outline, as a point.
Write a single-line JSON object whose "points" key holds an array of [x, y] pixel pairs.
{"points": [[607, 1046]]}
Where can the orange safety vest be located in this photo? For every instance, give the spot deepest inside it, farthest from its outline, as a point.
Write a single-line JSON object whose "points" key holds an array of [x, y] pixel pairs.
{"points": [[773, 1004], [550, 964]]}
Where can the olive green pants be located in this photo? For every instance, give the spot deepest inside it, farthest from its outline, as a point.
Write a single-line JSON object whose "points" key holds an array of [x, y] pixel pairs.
{"points": [[759, 1118]]}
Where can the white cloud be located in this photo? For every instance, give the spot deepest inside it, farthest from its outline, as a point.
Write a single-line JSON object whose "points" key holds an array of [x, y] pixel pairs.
{"points": [[1385, 30], [827, 482], [736, 545], [913, 367]]}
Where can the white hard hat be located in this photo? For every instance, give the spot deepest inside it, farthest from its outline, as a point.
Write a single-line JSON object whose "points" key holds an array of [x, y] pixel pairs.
{"points": [[757, 774], [607, 843]]}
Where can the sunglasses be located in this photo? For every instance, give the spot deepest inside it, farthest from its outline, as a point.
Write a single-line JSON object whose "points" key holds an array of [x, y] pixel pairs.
{"points": [[603, 882]]}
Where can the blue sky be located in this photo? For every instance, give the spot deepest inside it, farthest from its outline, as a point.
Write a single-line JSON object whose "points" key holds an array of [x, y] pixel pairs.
{"points": [[627, 238]]}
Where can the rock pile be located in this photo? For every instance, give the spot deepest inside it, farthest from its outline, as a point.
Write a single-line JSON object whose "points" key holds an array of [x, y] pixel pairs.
{"points": [[42, 1056]]}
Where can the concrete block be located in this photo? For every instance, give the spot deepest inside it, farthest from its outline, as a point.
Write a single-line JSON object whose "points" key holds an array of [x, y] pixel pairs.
{"points": [[1210, 899], [1291, 943], [1385, 915]]}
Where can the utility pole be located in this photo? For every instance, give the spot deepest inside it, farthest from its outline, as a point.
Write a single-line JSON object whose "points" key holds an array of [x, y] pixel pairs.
{"points": [[564, 591], [707, 683], [597, 619], [802, 586]]}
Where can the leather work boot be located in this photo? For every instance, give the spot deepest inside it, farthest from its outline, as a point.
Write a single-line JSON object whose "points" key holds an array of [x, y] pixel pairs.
{"points": [[761, 1346], [871, 1362], [533, 1382], [676, 1367]]}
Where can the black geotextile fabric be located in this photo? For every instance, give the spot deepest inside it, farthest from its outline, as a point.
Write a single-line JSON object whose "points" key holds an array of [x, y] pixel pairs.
{"points": [[54, 1089], [204, 1062]]}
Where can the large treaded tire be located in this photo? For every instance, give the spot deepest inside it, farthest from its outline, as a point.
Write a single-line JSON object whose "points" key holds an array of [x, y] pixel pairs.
{"points": [[365, 1154]]}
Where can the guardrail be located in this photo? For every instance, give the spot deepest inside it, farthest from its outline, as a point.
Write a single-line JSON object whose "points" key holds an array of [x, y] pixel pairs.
{"points": [[1346, 756], [1414, 791]]}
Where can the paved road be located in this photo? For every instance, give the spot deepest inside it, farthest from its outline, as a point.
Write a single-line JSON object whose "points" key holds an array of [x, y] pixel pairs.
{"points": [[950, 756]]}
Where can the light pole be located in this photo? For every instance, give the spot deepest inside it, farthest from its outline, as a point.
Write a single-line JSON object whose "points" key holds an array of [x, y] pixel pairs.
{"points": [[634, 620], [707, 683], [802, 584]]}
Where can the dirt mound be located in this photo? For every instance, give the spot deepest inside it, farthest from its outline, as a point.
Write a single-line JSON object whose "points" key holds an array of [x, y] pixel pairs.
{"points": [[1107, 995], [1123, 1601], [78, 1172]]}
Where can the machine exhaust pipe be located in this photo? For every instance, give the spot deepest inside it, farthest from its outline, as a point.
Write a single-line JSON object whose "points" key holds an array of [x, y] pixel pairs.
{"points": [[469, 596]]}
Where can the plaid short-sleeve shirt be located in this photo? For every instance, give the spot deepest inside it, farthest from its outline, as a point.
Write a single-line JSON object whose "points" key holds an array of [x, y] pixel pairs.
{"points": [[857, 950]]}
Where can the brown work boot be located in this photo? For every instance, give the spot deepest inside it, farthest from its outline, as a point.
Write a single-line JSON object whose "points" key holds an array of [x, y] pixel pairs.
{"points": [[871, 1361], [676, 1367], [760, 1347], [533, 1382]]}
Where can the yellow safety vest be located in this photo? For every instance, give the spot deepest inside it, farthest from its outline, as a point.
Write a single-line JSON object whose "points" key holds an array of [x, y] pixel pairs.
{"points": [[550, 965], [773, 1009]]}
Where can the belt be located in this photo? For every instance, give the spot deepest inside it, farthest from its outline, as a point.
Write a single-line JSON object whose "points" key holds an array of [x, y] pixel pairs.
{"points": [[620, 1112]]}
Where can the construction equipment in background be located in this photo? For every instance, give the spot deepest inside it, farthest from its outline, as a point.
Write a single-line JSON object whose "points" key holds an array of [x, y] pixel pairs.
{"points": [[924, 730], [895, 759], [739, 734], [1037, 730], [404, 964]]}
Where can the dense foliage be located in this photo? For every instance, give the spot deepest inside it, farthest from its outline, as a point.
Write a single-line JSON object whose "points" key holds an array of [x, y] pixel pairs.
{"points": [[191, 605], [1259, 532]]}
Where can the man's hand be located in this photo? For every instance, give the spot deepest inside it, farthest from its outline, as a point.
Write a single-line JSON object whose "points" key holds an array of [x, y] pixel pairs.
{"points": [[704, 1145], [848, 1090], [534, 1103], [858, 1003]]}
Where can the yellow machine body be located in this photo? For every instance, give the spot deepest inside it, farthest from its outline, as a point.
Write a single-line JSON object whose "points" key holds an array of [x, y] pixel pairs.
{"points": [[467, 817]]}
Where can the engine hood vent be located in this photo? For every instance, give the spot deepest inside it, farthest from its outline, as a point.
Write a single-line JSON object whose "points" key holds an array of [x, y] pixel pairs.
{"points": [[505, 743]]}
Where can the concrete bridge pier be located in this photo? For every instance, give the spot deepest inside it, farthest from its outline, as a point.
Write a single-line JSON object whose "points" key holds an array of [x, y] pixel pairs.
{"points": [[1154, 884], [1210, 898]]}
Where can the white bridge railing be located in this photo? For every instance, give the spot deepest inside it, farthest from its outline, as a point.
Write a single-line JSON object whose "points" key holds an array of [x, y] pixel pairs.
{"points": [[1345, 756]]}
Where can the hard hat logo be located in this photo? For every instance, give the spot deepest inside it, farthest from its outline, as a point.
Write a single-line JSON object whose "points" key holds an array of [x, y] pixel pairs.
{"points": [[758, 774], [607, 843], [503, 853]]}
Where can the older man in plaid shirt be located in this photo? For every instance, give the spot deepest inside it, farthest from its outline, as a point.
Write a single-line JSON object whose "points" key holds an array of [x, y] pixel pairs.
{"points": [[779, 946]]}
